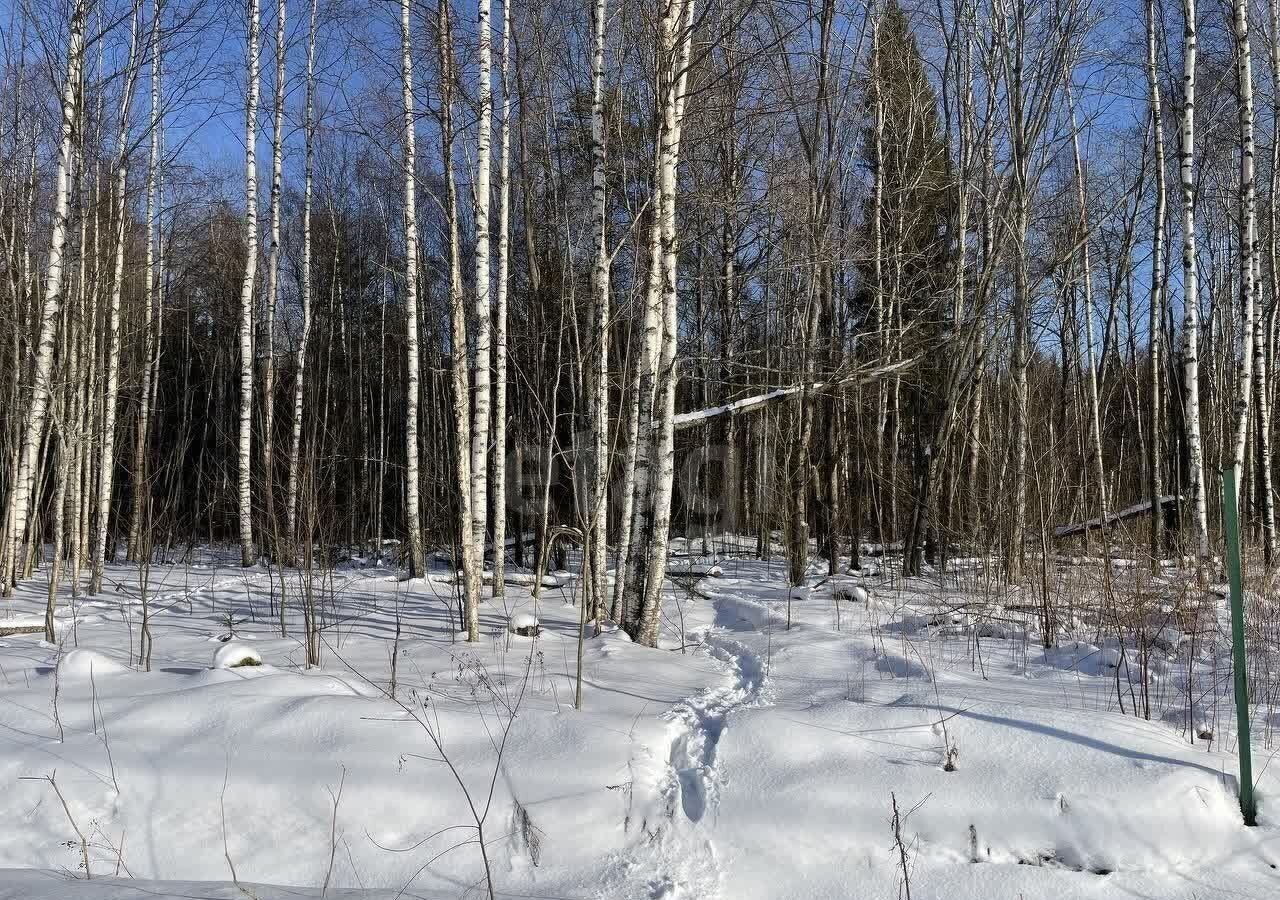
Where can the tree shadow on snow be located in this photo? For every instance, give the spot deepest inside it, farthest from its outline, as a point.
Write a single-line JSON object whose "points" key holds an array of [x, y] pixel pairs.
{"points": [[1093, 743]]}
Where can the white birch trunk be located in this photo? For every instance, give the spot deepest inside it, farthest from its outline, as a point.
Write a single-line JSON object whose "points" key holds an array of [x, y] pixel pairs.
{"points": [[599, 500], [640, 532], [483, 307], [677, 26], [417, 560], [245, 449], [1248, 239], [1191, 286], [33, 433]]}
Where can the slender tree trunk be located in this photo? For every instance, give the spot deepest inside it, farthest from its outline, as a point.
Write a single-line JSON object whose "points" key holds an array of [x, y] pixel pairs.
{"points": [[150, 299], [304, 299], [483, 309], [112, 379], [630, 468], [500, 320], [80, 365], [1248, 237], [1021, 325], [245, 457], [1156, 308], [458, 341], [271, 296], [21, 487], [599, 384], [877, 269], [1086, 277], [1191, 284], [1263, 352], [417, 558]]}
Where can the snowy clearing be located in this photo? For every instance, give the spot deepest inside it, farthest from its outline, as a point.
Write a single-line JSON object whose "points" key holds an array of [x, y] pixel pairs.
{"points": [[739, 760]]}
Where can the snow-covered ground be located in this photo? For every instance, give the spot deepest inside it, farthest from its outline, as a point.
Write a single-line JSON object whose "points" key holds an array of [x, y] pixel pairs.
{"points": [[744, 759]]}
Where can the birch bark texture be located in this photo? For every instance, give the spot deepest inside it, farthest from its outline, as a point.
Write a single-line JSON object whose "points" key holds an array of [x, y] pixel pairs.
{"points": [[598, 511], [417, 557], [1191, 287], [1248, 235], [51, 305], [482, 409], [244, 459]]}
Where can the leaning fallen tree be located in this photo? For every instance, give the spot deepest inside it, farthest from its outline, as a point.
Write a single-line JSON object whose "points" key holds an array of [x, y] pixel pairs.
{"points": [[758, 402]]}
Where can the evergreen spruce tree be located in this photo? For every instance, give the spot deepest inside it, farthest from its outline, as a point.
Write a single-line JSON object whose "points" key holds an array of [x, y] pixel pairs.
{"points": [[906, 273]]}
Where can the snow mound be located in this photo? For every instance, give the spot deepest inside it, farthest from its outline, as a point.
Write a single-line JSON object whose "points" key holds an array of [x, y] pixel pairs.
{"points": [[989, 629], [898, 666], [233, 655], [83, 663], [524, 623], [1079, 656]]}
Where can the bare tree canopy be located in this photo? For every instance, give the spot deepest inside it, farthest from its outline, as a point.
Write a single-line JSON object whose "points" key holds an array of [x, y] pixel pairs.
{"points": [[878, 272]]}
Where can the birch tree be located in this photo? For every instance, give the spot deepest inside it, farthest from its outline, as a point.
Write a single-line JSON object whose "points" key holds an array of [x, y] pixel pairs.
{"points": [[598, 510], [675, 45], [1190, 289], [1248, 236], [417, 558], [483, 309], [247, 308]]}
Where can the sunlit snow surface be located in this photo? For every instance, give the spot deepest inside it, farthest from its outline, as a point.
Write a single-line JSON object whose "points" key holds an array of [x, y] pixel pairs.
{"points": [[756, 762]]}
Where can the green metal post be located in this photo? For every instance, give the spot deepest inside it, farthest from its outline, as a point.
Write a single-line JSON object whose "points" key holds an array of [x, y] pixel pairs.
{"points": [[1247, 804]]}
